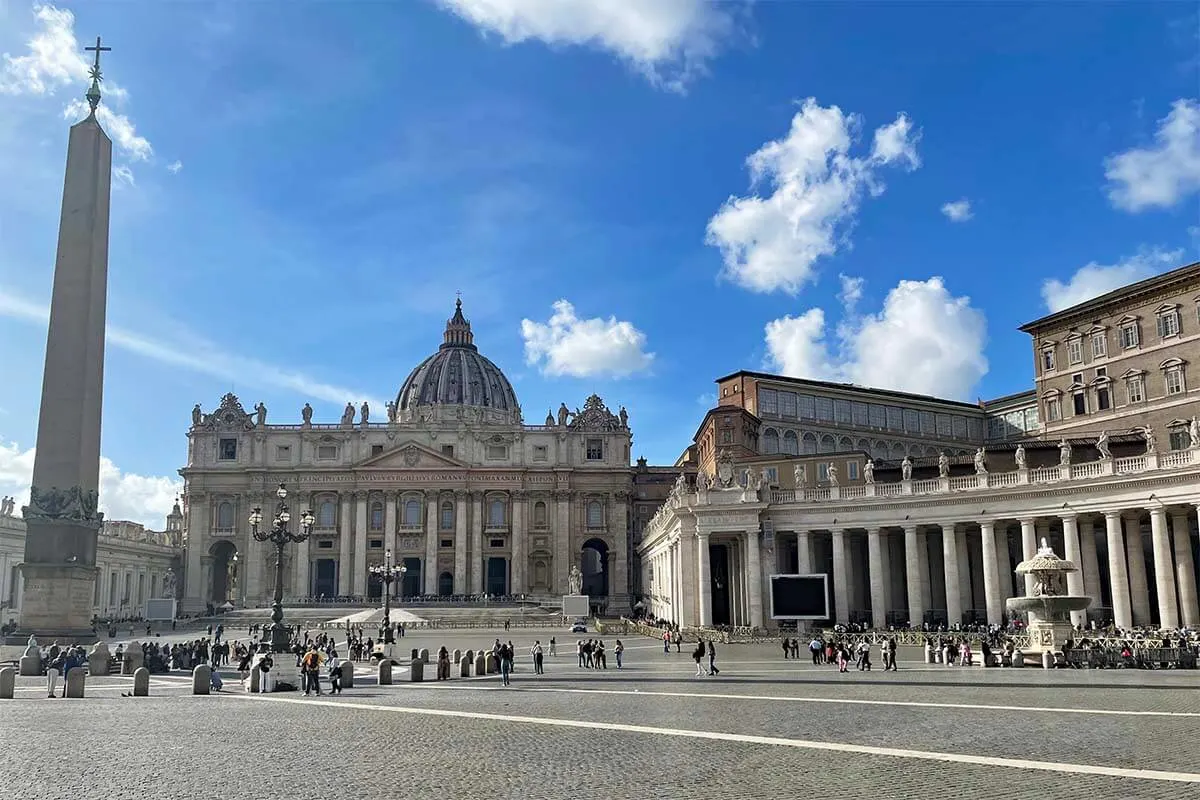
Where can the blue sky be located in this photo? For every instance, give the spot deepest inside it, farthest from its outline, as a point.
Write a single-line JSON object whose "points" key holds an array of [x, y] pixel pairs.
{"points": [[633, 198]]}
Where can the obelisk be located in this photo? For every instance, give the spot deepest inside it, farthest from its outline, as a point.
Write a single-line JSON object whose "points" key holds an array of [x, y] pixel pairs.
{"points": [[62, 520]]}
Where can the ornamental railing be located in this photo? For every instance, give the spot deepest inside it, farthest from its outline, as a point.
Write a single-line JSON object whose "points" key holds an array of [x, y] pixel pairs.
{"points": [[1089, 470]]}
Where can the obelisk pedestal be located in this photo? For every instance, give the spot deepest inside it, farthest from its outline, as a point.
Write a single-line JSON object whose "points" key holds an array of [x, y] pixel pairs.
{"points": [[62, 519]]}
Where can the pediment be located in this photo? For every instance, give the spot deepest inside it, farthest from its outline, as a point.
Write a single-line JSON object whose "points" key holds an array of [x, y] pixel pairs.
{"points": [[1127, 319], [410, 455], [1167, 308]]}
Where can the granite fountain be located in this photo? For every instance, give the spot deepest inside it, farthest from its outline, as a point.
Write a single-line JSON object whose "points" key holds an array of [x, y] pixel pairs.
{"points": [[1048, 606]]}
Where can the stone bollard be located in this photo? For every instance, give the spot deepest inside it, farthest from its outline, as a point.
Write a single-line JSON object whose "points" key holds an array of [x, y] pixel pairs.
{"points": [[385, 672], [141, 682], [1047, 659], [1018, 658], [456, 656], [416, 671], [415, 653], [946, 659], [480, 664], [491, 664], [202, 679], [75, 681], [424, 655], [470, 654], [928, 653], [347, 674], [132, 659], [98, 659], [8, 683], [464, 667], [31, 661], [255, 679]]}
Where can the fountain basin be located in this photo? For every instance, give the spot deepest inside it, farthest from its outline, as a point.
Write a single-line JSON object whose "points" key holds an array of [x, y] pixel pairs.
{"points": [[1049, 607]]}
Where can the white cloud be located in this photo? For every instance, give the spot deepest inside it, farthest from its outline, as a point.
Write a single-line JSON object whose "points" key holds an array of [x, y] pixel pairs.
{"points": [[1163, 173], [670, 42], [200, 357], [568, 345], [1093, 280], [119, 127], [816, 186], [140, 498], [924, 340], [958, 211], [174, 167], [851, 292], [123, 174]]}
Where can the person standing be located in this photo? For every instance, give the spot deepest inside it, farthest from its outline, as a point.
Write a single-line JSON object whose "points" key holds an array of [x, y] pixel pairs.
{"points": [[698, 656], [536, 650], [553, 647], [618, 651], [506, 658], [335, 673], [53, 670], [712, 659]]}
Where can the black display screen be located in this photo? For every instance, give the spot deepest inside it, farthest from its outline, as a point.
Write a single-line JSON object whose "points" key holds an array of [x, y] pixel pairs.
{"points": [[799, 597]]}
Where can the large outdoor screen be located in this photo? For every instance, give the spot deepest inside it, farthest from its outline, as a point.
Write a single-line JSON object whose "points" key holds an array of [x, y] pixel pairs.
{"points": [[800, 596]]}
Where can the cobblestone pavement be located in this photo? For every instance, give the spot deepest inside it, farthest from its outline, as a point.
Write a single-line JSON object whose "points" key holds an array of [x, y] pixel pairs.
{"points": [[763, 728]]}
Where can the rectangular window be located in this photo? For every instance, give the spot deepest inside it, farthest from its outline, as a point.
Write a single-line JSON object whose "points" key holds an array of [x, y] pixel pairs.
{"points": [[960, 427], [497, 452], [822, 471], [825, 409], [326, 452], [1048, 359], [1053, 412], [1136, 389], [860, 414], [376, 449], [997, 428], [1168, 324], [927, 423], [1075, 351], [1101, 372], [943, 425], [446, 543], [841, 412], [1079, 404], [772, 474], [807, 406], [448, 450], [895, 418], [1174, 381], [1031, 419], [768, 401], [539, 452], [1103, 402], [325, 544], [852, 470], [495, 543], [912, 421], [1099, 345], [446, 519], [1129, 335], [877, 416], [1179, 439], [227, 450], [787, 404], [595, 449], [283, 452], [376, 544]]}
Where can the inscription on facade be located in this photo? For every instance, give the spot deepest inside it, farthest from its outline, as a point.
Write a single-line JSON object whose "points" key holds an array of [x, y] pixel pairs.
{"points": [[410, 477]]}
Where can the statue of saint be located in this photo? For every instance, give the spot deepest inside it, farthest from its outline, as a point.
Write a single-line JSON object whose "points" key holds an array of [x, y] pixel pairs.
{"points": [[624, 416], [563, 411], [1102, 446], [1194, 432], [1064, 452], [391, 410], [549, 419], [833, 475], [260, 411], [348, 414], [1151, 442], [366, 412], [943, 465], [1020, 456], [980, 462], [906, 469], [306, 414], [574, 580], [702, 481], [168, 585], [197, 414], [800, 473], [869, 471]]}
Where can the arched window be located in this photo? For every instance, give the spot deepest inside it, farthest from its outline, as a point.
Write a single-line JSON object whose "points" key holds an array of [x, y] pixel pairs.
{"points": [[595, 514], [863, 445], [770, 442], [828, 444], [328, 516], [496, 515], [412, 513], [539, 514], [808, 444], [791, 445], [897, 451], [225, 516], [845, 444], [447, 521], [376, 516], [879, 450]]}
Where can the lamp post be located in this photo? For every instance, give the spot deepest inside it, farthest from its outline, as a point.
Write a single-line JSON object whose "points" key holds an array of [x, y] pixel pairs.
{"points": [[279, 534], [234, 580], [388, 573]]}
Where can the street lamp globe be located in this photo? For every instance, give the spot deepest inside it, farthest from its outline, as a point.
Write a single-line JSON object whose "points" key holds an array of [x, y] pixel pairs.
{"points": [[281, 492]]}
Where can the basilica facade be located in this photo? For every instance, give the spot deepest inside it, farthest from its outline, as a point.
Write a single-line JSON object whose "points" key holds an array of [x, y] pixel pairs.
{"points": [[464, 495]]}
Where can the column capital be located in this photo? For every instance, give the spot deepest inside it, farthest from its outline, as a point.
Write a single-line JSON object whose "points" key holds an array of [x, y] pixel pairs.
{"points": [[1160, 511], [1114, 514], [987, 523], [360, 495], [702, 533], [1027, 521], [1069, 516]]}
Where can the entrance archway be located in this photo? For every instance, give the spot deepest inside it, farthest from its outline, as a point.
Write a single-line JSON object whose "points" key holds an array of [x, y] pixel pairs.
{"points": [[594, 566], [446, 584], [224, 572]]}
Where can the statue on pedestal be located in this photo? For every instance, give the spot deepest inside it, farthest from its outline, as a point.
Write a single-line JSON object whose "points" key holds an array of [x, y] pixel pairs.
{"points": [[1151, 442], [348, 415], [1194, 432], [260, 411], [197, 415], [906, 469], [869, 471], [306, 414], [800, 473], [168, 585], [833, 475], [391, 411], [563, 412], [624, 417], [574, 580], [1064, 452], [365, 413], [1102, 446], [943, 465], [1020, 455], [980, 462]]}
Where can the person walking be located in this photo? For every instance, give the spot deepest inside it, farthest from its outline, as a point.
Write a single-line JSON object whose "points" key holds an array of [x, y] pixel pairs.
{"points": [[698, 657], [712, 659], [666, 643], [506, 659], [618, 651], [335, 673]]}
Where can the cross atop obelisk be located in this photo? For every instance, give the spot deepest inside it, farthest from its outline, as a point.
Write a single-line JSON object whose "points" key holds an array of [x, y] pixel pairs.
{"points": [[93, 92]]}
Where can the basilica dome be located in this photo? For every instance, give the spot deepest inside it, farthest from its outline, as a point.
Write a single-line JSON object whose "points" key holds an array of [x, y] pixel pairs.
{"points": [[457, 376]]}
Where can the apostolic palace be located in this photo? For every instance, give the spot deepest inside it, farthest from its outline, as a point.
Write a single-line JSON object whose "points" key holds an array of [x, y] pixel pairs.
{"points": [[918, 509]]}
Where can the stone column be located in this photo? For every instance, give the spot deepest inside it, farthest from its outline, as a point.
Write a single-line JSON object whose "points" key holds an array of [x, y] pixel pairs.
{"points": [[1185, 570], [1072, 554], [803, 553], [841, 577], [885, 561], [734, 566], [878, 579], [704, 578], [1135, 553], [954, 609], [1118, 574], [303, 555], [390, 527], [518, 543], [360, 544], [199, 508], [475, 559], [1004, 571], [345, 570], [1091, 561], [460, 541], [1029, 546], [923, 570], [991, 576], [620, 556], [754, 567], [1164, 573], [689, 578], [430, 571], [912, 573], [563, 556]]}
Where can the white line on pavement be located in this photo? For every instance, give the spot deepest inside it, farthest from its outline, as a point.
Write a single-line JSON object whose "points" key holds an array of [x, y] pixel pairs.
{"points": [[802, 744]]}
